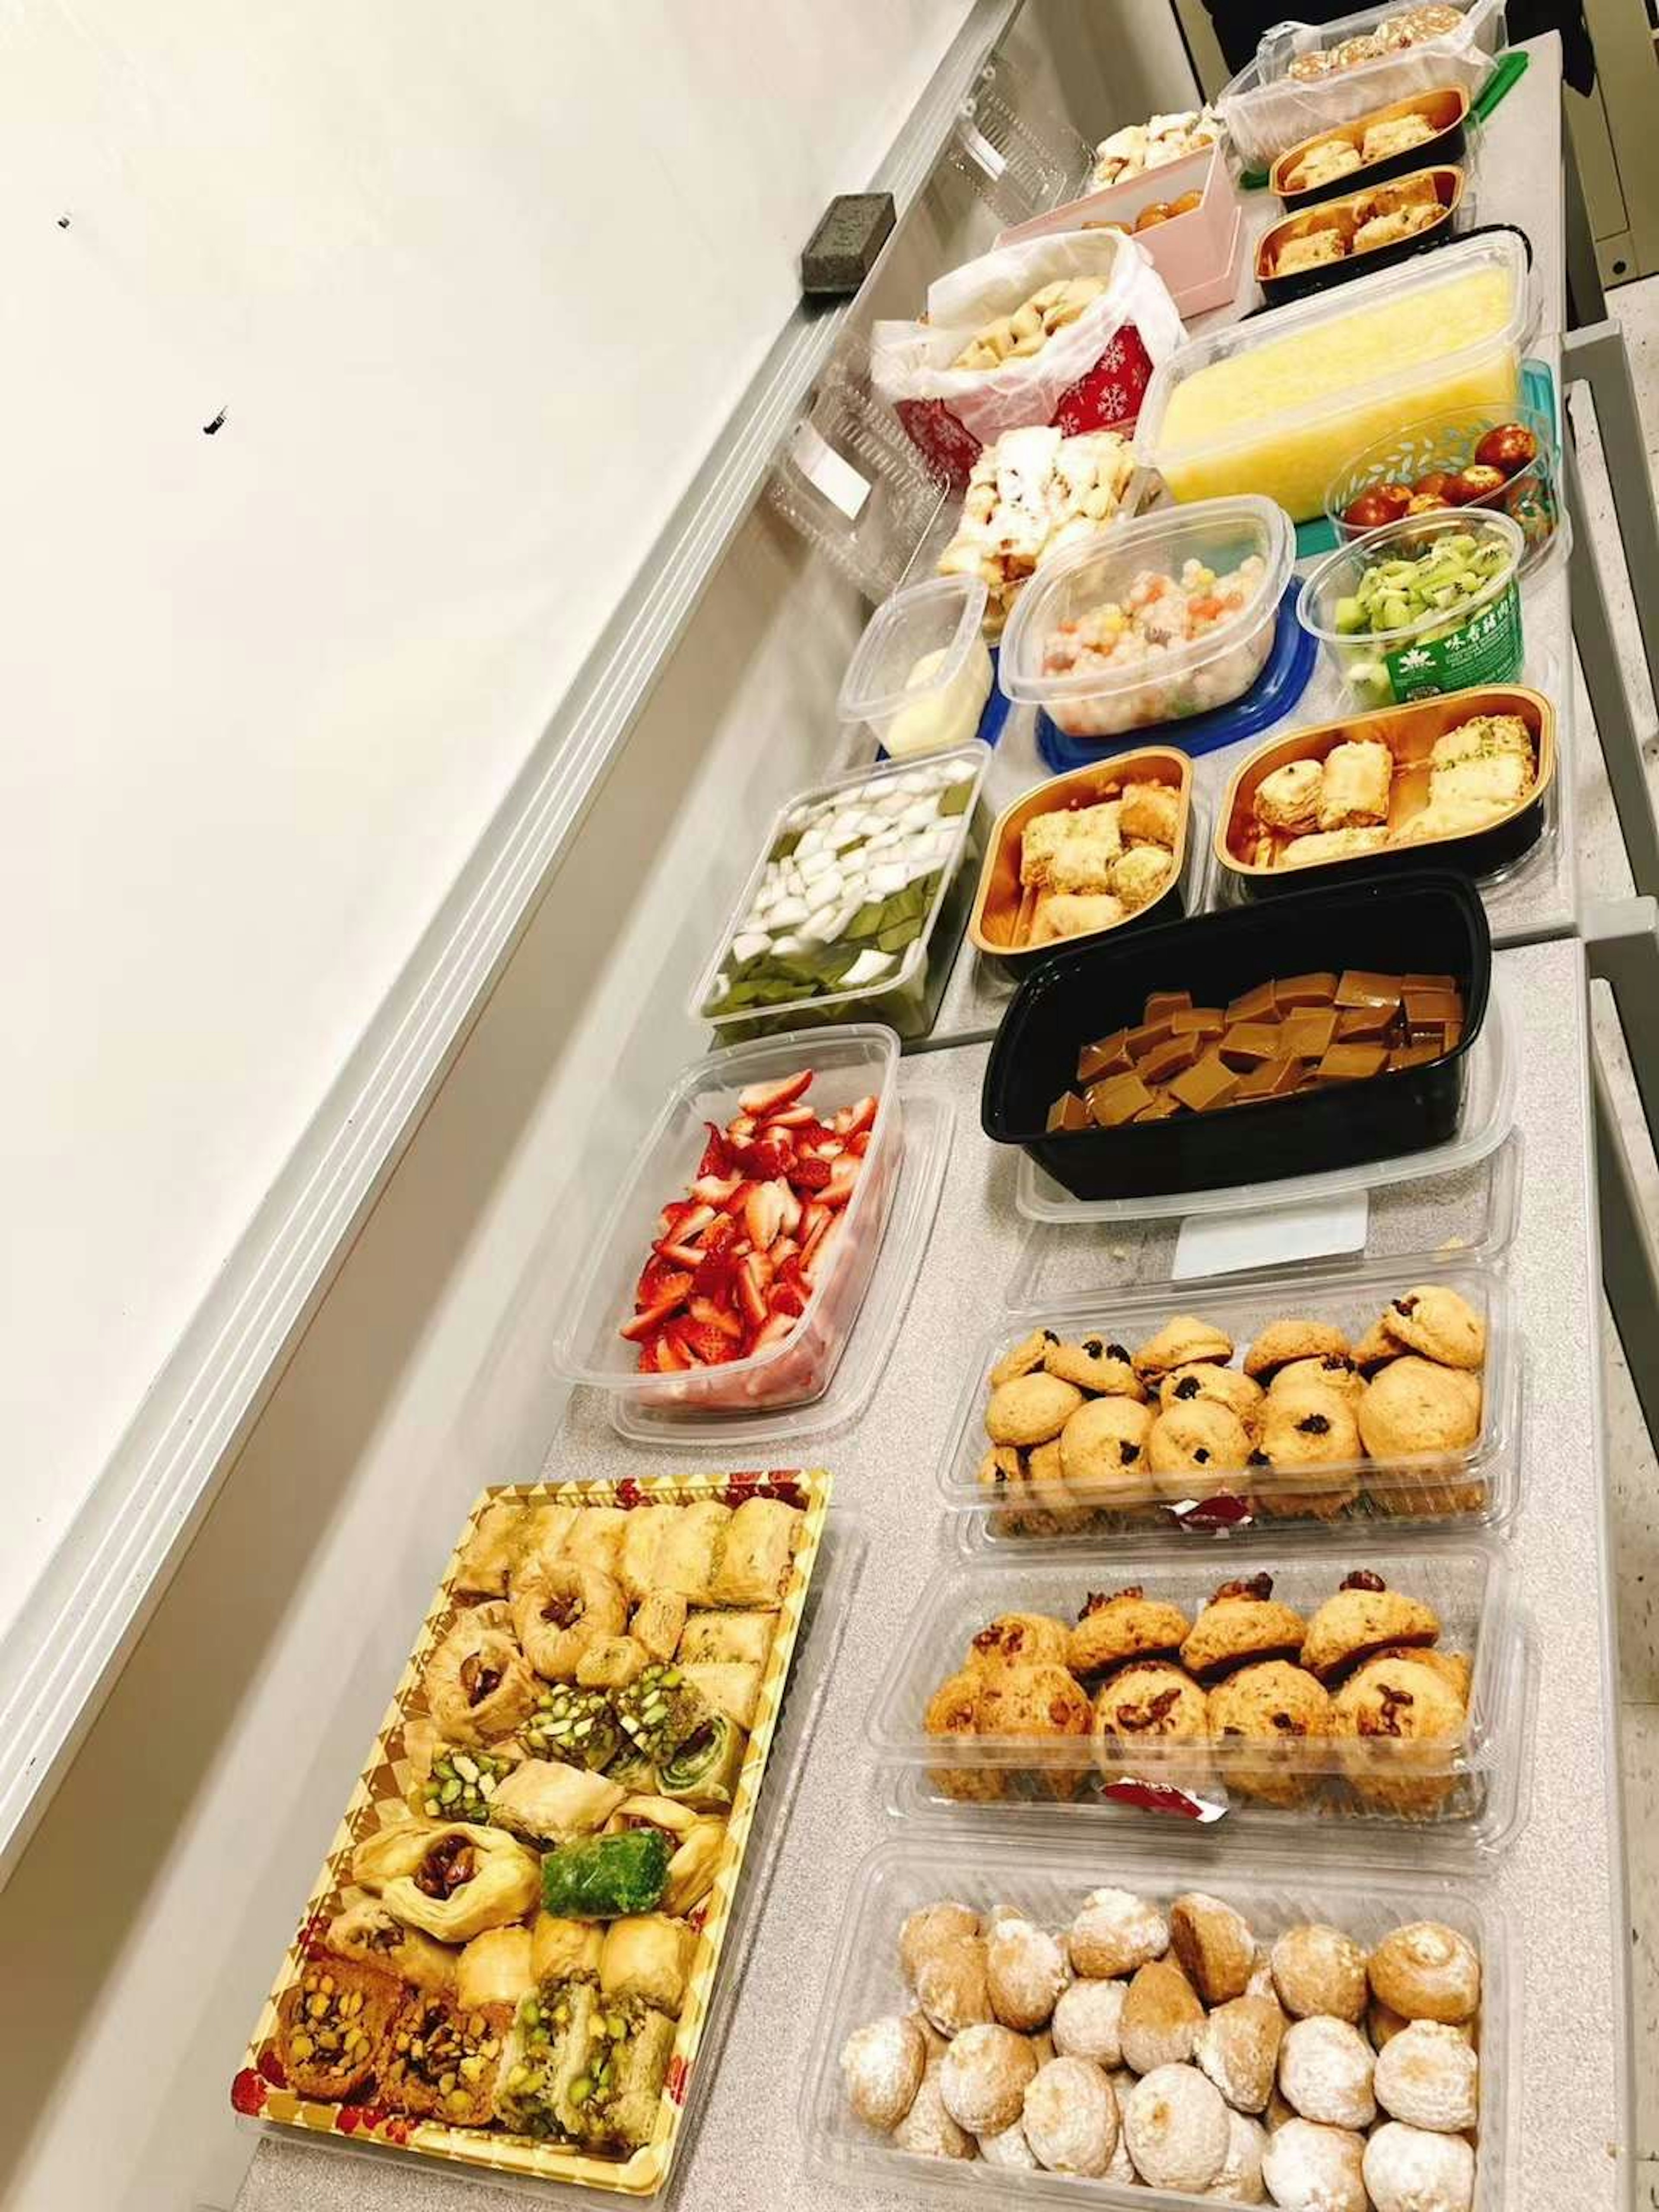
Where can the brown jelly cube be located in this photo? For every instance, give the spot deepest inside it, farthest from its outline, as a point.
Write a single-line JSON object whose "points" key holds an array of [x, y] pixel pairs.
{"points": [[1414, 981], [1424, 1007], [1453, 1033], [1167, 1059], [1246, 1044], [1159, 1003], [1067, 1112], [1257, 1005], [1309, 1033], [1208, 1083], [1142, 1040], [1364, 986], [1119, 1098], [1351, 1063], [1164, 1104], [1413, 1055], [1272, 1079], [1315, 990], [1109, 1055], [1356, 1022], [1201, 1021]]}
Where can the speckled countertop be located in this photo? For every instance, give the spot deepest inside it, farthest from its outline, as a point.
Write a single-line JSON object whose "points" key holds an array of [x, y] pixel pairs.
{"points": [[1561, 1885]]}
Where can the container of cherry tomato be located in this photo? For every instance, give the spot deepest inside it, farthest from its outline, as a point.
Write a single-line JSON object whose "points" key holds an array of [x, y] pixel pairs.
{"points": [[1501, 462]]}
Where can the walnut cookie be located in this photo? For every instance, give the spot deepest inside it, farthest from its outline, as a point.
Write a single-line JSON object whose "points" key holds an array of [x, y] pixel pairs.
{"points": [[1396, 1701], [1242, 1622], [1283, 1709], [1363, 1618], [1127, 1625]]}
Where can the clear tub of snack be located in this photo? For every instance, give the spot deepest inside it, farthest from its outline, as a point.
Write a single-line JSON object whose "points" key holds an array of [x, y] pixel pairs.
{"points": [[920, 674], [1427, 604], [1268, 1687], [855, 907], [1391, 1396], [1172, 615], [1110, 1966], [730, 1271], [1308, 77], [1276, 405], [1487, 458]]}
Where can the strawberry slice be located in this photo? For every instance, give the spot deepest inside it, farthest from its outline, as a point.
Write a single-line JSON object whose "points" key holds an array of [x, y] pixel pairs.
{"points": [[715, 1189], [793, 1117], [859, 1144], [651, 1356], [754, 1280], [653, 1316], [789, 1298], [691, 1224], [791, 1209], [716, 1154], [818, 1258], [773, 1330], [762, 1161], [671, 1360], [763, 1100], [809, 1174], [843, 1175], [764, 1213], [704, 1342], [851, 1119], [654, 1282], [740, 1128], [712, 1315], [714, 1275], [681, 1255]]}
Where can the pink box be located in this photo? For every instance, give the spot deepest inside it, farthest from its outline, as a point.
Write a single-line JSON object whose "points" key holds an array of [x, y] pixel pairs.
{"points": [[1197, 255]]}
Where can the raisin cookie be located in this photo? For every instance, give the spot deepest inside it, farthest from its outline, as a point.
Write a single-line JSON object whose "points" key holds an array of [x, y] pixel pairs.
{"points": [[1102, 1453], [1018, 1497], [1282, 1708], [1242, 1623], [1305, 1432], [1394, 1702], [1030, 1409], [1282, 1341], [1435, 1320], [1018, 1639], [1375, 1349], [1094, 1364], [1363, 1618], [1022, 1358], [1415, 1405], [1194, 1448], [1205, 1378], [1180, 1342], [1333, 1370], [1127, 1625]]}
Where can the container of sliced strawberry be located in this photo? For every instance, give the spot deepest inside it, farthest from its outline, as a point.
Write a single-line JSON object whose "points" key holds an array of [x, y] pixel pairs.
{"points": [[733, 1265]]}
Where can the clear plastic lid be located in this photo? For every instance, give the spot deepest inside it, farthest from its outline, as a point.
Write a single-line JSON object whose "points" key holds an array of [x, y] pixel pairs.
{"points": [[1135, 1729], [1220, 533], [1310, 52], [1339, 575], [1386, 343], [1046, 1878], [942, 616], [1473, 1485]]}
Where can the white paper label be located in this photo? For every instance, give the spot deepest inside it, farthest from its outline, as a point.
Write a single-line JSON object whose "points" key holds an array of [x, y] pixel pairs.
{"points": [[824, 467], [978, 150], [1226, 1243]]}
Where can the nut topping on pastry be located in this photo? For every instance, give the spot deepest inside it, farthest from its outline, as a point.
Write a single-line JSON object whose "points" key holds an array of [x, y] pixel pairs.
{"points": [[1258, 1586], [448, 1867], [1362, 1578], [479, 1679]]}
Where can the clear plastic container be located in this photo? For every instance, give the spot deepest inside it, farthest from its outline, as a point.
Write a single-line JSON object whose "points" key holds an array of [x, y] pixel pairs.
{"points": [[1047, 1878], [848, 1064], [1486, 1118], [1266, 110], [921, 673], [1448, 442], [1463, 1789], [1189, 678], [1477, 1486], [1481, 641], [1276, 405], [904, 993]]}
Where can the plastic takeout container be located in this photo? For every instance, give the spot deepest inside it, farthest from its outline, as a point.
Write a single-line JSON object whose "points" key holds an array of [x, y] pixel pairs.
{"points": [[1047, 1880], [913, 713], [1266, 110], [1255, 859], [1475, 1485], [1481, 641], [1445, 111], [1187, 678], [1430, 924], [1448, 442], [849, 1065], [916, 927], [1278, 404], [1346, 216], [1001, 922], [1467, 1782]]}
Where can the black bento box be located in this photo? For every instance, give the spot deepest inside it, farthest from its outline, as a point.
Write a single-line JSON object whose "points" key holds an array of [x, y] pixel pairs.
{"points": [[1425, 924]]}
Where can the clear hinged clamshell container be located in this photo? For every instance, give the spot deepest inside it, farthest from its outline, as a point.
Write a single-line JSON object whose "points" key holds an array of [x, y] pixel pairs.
{"points": [[1308, 77], [849, 1066], [1014, 1499], [1161, 584], [1014, 148], [920, 674], [1047, 1880], [856, 905], [1278, 405], [1150, 1752]]}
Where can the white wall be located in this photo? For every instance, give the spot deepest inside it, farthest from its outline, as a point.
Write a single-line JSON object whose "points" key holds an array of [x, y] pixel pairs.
{"points": [[476, 287]]}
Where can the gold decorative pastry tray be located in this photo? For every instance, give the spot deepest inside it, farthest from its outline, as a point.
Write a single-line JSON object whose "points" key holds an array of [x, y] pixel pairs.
{"points": [[379, 1801]]}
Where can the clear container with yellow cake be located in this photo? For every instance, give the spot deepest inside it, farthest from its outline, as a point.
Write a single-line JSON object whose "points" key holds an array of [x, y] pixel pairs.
{"points": [[1276, 406]]}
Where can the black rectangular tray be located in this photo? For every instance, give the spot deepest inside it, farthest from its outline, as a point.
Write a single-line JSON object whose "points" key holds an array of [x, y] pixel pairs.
{"points": [[1433, 923]]}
